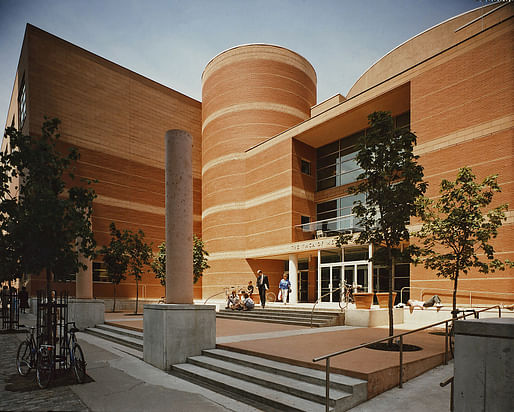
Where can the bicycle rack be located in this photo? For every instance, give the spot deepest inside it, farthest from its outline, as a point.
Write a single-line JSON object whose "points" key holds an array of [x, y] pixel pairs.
{"points": [[10, 309], [51, 324]]}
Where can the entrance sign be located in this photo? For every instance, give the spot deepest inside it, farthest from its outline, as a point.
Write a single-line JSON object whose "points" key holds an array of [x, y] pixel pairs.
{"points": [[314, 244]]}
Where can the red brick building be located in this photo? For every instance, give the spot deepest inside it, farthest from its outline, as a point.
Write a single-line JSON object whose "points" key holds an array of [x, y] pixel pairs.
{"points": [[271, 167]]}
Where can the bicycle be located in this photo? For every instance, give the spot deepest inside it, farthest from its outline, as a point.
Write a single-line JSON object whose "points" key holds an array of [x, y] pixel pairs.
{"points": [[45, 365], [77, 360], [26, 354], [347, 294], [46, 359]]}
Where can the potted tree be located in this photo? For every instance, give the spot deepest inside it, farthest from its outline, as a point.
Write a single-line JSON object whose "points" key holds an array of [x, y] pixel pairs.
{"points": [[363, 300]]}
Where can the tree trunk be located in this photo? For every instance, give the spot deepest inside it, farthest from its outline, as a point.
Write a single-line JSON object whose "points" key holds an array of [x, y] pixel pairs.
{"points": [[455, 281], [137, 294], [114, 300], [49, 302], [390, 304]]}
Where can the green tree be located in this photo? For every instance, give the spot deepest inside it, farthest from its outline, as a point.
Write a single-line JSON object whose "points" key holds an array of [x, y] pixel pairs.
{"points": [[199, 261], [45, 219], [199, 258], [140, 255], [457, 230], [116, 258], [391, 180], [159, 264], [127, 253]]}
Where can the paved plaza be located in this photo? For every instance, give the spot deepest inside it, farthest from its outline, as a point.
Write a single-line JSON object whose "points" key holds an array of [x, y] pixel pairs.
{"points": [[119, 380]]}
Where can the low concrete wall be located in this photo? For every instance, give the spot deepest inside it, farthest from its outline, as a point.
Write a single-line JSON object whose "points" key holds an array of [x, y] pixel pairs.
{"points": [[128, 305], [174, 332], [86, 313], [372, 317], [484, 365]]}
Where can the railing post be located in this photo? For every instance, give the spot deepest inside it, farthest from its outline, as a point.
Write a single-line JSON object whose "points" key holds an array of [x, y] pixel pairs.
{"points": [[327, 384], [401, 361], [499, 311], [446, 344]]}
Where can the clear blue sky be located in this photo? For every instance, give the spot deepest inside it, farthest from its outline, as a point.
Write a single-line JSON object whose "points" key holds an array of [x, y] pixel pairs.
{"points": [[171, 41]]}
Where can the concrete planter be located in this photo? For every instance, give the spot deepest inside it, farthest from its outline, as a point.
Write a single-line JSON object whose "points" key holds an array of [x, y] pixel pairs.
{"points": [[383, 299], [363, 300]]}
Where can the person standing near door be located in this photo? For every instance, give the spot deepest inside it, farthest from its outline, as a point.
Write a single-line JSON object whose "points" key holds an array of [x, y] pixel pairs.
{"points": [[284, 287], [262, 285]]}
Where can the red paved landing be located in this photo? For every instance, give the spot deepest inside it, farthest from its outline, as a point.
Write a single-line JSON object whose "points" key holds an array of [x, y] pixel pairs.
{"points": [[224, 327]]}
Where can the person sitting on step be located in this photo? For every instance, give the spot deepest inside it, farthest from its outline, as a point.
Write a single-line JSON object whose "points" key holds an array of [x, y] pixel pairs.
{"points": [[232, 301]]}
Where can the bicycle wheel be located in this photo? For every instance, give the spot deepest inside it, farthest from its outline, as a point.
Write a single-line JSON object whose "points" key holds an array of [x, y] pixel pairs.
{"points": [[43, 371], [24, 363], [79, 363], [270, 297]]}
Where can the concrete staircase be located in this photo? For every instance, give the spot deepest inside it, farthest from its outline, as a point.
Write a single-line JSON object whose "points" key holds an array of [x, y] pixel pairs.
{"points": [[270, 385], [291, 316], [123, 336]]}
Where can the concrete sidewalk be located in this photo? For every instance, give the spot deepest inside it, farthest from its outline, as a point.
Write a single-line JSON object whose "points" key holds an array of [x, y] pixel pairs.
{"points": [[119, 380]]}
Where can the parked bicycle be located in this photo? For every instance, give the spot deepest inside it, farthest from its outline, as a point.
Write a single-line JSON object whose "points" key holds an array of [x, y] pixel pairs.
{"points": [[73, 358], [26, 354]]}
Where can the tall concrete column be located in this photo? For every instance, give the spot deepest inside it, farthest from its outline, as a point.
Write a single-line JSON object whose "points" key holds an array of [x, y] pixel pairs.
{"points": [[293, 278], [179, 329], [84, 280], [179, 217]]}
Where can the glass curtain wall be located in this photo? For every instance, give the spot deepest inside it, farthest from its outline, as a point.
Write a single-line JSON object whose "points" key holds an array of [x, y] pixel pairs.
{"points": [[336, 162]]}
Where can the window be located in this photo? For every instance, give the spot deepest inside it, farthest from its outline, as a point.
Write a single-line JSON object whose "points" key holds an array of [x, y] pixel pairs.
{"points": [[306, 167], [22, 103], [356, 253], [336, 215], [336, 162], [331, 256], [305, 223], [100, 272]]}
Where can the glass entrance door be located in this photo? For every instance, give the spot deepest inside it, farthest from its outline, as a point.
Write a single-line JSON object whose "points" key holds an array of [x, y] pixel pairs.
{"points": [[336, 284], [349, 274], [331, 277]]}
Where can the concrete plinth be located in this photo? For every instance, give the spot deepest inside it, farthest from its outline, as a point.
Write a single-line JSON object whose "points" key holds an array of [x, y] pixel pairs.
{"points": [[173, 332], [86, 312], [372, 317], [484, 365]]}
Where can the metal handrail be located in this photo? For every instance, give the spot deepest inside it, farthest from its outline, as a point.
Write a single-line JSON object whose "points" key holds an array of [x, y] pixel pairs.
{"points": [[344, 287], [400, 336], [451, 290], [321, 297], [225, 291], [216, 294]]}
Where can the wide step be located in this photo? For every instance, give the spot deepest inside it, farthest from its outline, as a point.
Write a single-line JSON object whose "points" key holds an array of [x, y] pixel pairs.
{"points": [[285, 316], [337, 381], [289, 385], [271, 383], [247, 390], [122, 336]]}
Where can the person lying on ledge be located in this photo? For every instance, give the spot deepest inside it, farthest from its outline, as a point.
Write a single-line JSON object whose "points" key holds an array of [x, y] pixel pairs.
{"points": [[433, 301], [232, 301]]}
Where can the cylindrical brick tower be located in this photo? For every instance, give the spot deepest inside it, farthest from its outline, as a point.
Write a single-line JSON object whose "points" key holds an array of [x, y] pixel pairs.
{"points": [[249, 94]]}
